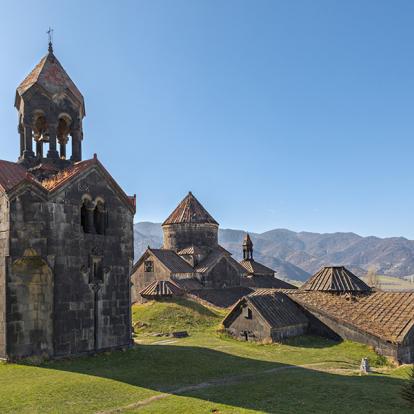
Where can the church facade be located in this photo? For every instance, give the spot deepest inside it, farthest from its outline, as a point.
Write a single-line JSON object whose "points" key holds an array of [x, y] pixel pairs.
{"points": [[191, 261], [66, 231]]}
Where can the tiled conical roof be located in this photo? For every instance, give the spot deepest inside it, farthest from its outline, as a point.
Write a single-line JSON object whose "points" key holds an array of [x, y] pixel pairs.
{"points": [[50, 75], [190, 210], [335, 279]]}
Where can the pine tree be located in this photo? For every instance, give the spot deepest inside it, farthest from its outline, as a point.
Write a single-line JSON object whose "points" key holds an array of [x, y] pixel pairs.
{"points": [[408, 390]]}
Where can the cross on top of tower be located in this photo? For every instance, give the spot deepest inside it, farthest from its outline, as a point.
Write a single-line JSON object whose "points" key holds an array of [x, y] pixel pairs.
{"points": [[50, 37]]}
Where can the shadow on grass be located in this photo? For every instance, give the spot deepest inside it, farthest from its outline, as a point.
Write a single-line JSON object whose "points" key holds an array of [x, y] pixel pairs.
{"points": [[311, 341], [240, 382]]}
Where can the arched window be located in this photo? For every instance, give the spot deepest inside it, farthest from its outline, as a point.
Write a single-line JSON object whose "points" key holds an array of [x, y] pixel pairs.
{"points": [[62, 133], [99, 218]]}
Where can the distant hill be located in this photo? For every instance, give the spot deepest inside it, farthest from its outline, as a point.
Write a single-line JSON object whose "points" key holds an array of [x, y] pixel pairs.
{"points": [[297, 255]]}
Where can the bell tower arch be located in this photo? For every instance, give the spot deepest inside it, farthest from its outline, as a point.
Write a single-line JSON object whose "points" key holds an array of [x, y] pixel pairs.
{"points": [[51, 110]]}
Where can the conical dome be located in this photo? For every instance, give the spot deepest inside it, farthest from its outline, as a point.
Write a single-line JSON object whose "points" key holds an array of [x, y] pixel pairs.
{"points": [[335, 279], [190, 210], [190, 224]]}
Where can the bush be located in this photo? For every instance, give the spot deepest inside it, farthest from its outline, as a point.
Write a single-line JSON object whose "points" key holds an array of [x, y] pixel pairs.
{"points": [[408, 389]]}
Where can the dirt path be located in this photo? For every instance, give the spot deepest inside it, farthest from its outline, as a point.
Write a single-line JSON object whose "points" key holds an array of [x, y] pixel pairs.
{"points": [[229, 380]]}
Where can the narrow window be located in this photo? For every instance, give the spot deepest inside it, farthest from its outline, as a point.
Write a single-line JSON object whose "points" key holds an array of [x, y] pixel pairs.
{"points": [[97, 270], [148, 266], [84, 218], [99, 218], [247, 313]]}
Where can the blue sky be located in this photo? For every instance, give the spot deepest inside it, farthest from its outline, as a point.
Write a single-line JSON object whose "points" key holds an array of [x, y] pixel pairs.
{"points": [[293, 114]]}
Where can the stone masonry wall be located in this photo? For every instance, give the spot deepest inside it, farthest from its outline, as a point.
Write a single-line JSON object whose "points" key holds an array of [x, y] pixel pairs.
{"points": [[27, 280], [88, 314], [222, 275], [84, 319], [178, 236], [4, 253]]}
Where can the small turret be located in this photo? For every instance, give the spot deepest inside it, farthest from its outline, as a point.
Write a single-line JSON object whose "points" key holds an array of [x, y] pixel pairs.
{"points": [[247, 248]]}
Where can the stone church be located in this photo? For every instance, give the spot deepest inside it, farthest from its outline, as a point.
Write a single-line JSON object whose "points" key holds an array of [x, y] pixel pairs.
{"points": [[66, 231], [191, 261]]}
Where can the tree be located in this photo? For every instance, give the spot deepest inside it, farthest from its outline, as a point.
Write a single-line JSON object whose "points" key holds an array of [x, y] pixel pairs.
{"points": [[372, 278], [407, 391]]}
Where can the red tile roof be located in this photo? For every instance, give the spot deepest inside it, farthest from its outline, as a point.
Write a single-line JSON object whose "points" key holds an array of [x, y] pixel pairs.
{"points": [[190, 210], [58, 180], [12, 174], [66, 175]]}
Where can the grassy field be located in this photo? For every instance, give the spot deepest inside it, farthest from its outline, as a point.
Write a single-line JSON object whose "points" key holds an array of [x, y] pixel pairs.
{"points": [[390, 283], [205, 373]]}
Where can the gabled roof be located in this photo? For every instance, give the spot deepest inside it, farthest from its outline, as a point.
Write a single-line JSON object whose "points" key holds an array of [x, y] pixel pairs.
{"points": [[66, 175], [265, 282], [161, 288], [214, 257], [335, 279], [187, 284], [11, 174], [275, 307], [190, 210], [257, 268], [387, 315], [50, 75], [171, 260]]}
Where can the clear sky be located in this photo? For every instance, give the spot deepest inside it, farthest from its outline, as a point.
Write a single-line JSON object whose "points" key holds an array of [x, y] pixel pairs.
{"points": [[293, 114]]}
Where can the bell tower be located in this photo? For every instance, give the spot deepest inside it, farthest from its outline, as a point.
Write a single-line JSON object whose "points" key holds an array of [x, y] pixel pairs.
{"points": [[247, 248], [51, 110]]}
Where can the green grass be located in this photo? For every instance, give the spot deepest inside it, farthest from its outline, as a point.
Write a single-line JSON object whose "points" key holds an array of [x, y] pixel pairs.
{"points": [[174, 315], [271, 384]]}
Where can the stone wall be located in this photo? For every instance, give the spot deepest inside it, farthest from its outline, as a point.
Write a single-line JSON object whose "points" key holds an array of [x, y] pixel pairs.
{"points": [[178, 236], [89, 313], [4, 253], [253, 328], [27, 279], [279, 334], [222, 275], [351, 333]]}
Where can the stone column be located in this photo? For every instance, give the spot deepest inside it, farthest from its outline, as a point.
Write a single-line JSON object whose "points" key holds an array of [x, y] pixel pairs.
{"points": [[28, 142], [76, 145], [21, 133], [39, 149], [52, 153], [63, 141]]}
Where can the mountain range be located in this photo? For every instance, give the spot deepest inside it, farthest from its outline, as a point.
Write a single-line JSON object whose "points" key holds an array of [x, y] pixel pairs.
{"points": [[297, 255]]}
